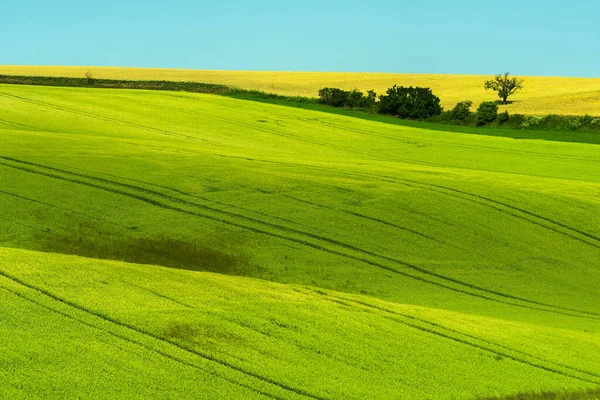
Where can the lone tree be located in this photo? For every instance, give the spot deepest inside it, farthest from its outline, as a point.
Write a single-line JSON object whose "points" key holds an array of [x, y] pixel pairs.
{"points": [[89, 76], [504, 85]]}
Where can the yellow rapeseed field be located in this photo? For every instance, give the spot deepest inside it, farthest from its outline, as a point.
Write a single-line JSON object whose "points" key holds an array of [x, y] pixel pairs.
{"points": [[541, 95]]}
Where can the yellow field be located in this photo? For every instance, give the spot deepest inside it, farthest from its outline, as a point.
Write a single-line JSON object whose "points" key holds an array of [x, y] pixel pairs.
{"points": [[541, 95]]}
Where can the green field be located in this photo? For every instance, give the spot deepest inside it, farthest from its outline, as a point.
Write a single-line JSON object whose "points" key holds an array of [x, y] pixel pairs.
{"points": [[267, 251], [541, 95]]}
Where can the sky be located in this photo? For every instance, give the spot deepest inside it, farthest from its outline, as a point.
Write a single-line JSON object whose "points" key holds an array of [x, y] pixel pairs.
{"points": [[524, 37]]}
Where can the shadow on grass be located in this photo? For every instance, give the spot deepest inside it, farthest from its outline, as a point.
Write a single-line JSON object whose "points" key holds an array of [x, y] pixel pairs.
{"points": [[592, 394], [214, 254]]}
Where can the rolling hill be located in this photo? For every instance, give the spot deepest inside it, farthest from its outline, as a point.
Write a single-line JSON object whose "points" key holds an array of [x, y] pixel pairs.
{"points": [[541, 95], [150, 241]]}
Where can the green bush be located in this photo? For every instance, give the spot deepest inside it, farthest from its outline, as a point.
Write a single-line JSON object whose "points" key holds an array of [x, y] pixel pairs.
{"points": [[487, 112], [461, 111], [411, 102], [343, 98], [333, 97], [503, 117], [559, 122]]}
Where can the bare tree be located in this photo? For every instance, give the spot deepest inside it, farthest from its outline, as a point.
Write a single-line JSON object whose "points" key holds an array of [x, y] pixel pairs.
{"points": [[89, 76], [504, 85]]}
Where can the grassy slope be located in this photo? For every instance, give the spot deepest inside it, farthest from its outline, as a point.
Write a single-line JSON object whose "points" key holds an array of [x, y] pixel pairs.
{"points": [[246, 338], [471, 231], [579, 136], [542, 95]]}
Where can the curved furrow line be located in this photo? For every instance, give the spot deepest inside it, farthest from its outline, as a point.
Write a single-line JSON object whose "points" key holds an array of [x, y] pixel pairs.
{"points": [[295, 343], [32, 227], [157, 294], [17, 125], [241, 124], [532, 304], [467, 195], [154, 336], [553, 229], [64, 209], [105, 118], [288, 136], [177, 191], [302, 242], [530, 213], [485, 200], [348, 302], [133, 341], [466, 146], [355, 214], [456, 193], [436, 325], [195, 196], [155, 193]]}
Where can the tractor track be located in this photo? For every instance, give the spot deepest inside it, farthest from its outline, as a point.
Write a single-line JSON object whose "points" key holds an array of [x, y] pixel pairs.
{"points": [[359, 304], [464, 287], [153, 336]]}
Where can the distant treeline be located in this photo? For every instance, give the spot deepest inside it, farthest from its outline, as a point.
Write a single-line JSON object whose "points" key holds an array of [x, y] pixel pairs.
{"points": [[194, 87], [404, 102], [410, 103], [419, 103]]}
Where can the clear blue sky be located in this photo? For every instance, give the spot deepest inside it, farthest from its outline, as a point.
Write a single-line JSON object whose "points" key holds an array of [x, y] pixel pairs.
{"points": [[526, 37]]}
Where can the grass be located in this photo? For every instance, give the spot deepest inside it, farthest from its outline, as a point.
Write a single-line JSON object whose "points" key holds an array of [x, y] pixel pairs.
{"points": [[542, 131], [588, 394], [248, 338], [309, 254], [541, 95], [550, 127]]}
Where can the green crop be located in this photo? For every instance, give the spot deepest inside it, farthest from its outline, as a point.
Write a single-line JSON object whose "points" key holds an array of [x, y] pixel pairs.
{"points": [[403, 262]]}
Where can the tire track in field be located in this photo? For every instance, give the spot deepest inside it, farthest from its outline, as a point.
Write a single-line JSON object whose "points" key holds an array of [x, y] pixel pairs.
{"points": [[35, 228], [133, 341], [494, 204], [153, 336], [157, 294], [531, 304], [195, 196], [245, 325], [348, 361], [64, 209], [232, 122], [321, 143], [292, 239], [440, 189], [357, 305], [445, 144], [17, 125], [530, 213], [105, 118], [591, 374], [355, 214]]}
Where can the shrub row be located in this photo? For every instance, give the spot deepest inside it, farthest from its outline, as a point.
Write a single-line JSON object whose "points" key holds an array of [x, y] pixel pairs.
{"points": [[487, 113], [556, 122], [195, 87], [347, 98], [404, 102], [413, 103]]}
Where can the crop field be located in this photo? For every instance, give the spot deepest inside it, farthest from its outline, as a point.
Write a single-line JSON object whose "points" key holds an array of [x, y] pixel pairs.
{"points": [[179, 245], [541, 95]]}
